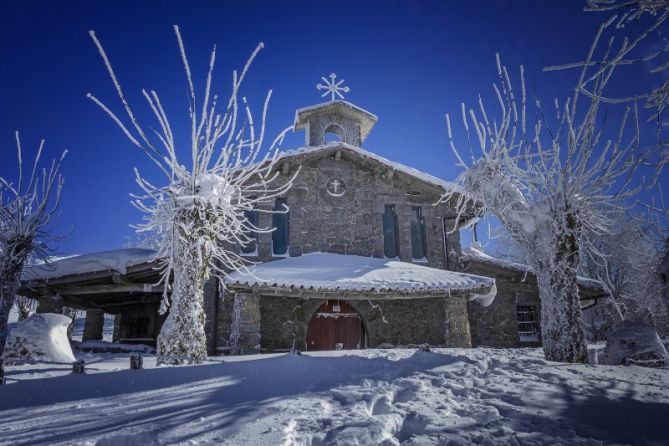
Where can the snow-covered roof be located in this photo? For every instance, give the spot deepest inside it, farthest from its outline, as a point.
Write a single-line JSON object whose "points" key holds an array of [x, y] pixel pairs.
{"points": [[117, 260], [425, 177], [366, 119], [337, 272], [473, 254]]}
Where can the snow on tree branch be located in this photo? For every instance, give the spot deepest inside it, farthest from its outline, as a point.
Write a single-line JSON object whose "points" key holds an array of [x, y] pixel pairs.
{"points": [[27, 207], [554, 184], [200, 211]]}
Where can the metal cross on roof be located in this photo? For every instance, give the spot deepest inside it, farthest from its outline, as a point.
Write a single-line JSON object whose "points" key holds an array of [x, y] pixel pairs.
{"points": [[332, 87]]}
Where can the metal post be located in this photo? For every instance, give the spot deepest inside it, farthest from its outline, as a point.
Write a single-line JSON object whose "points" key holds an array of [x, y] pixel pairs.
{"points": [[79, 366], [136, 361], [2, 372]]}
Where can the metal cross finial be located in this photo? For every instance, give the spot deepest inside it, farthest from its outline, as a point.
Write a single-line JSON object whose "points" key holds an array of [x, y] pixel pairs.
{"points": [[332, 87]]}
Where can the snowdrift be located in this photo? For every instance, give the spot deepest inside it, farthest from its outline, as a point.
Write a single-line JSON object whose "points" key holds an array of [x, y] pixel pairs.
{"points": [[41, 337], [634, 342]]}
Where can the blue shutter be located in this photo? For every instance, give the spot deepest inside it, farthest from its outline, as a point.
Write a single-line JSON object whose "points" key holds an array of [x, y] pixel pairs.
{"points": [[390, 238], [417, 233], [252, 217], [280, 222]]}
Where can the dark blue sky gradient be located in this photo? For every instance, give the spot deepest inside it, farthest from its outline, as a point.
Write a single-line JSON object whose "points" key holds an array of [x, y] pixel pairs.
{"points": [[407, 62]]}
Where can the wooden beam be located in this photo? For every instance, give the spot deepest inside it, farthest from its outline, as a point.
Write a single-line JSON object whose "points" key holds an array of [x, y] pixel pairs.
{"points": [[110, 289]]}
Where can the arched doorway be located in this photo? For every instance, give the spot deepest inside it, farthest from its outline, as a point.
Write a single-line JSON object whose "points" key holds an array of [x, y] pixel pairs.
{"points": [[335, 326]]}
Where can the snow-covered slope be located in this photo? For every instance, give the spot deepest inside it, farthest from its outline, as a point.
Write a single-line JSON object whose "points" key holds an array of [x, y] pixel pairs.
{"points": [[389, 397]]}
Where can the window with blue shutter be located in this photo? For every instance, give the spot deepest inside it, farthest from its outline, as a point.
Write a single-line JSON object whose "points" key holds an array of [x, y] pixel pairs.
{"points": [[390, 235], [417, 234], [280, 222], [252, 246]]}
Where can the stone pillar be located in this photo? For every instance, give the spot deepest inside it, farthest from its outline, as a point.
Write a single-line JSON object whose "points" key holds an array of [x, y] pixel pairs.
{"points": [[95, 321], [245, 329], [117, 327], [210, 310], [72, 314], [456, 321], [50, 304]]}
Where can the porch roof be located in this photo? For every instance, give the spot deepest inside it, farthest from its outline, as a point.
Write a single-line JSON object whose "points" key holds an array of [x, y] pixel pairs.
{"points": [[337, 272]]}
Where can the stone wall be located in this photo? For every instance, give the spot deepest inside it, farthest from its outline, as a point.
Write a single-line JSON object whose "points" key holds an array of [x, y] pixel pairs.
{"points": [[347, 129], [497, 324], [353, 223], [397, 322]]}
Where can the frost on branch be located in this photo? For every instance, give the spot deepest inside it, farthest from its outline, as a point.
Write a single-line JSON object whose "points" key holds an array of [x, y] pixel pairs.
{"points": [[199, 212], [27, 207], [553, 185]]}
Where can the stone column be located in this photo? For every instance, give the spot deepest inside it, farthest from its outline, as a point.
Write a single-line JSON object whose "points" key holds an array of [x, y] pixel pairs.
{"points": [[245, 329], [50, 304], [72, 314], [95, 320], [210, 310], [117, 327], [456, 321]]}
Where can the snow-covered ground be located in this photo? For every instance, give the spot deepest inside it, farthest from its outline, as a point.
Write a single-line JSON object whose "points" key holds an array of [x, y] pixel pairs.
{"points": [[399, 396]]}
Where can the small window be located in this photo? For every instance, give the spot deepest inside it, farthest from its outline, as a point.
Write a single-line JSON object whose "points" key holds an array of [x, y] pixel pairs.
{"points": [[417, 234], [390, 238], [331, 137], [251, 247], [333, 133], [527, 323], [280, 221]]}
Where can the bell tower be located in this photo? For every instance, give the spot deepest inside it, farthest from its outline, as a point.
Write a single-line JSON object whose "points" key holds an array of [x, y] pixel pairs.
{"points": [[350, 123]]}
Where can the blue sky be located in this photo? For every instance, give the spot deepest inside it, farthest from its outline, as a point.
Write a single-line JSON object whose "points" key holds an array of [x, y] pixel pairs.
{"points": [[409, 62]]}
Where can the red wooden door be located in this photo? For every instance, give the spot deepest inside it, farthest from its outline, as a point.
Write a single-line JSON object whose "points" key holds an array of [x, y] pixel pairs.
{"points": [[335, 325]]}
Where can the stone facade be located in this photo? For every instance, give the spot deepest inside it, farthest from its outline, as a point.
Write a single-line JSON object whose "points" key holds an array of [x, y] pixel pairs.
{"points": [[348, 222], [353, 223], [93, 325], [497, 324], [283, 321]]}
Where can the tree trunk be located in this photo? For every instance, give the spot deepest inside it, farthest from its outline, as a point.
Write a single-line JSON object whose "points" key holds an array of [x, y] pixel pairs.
{"points": [[562, 331], [9, 285], [182, 337]]}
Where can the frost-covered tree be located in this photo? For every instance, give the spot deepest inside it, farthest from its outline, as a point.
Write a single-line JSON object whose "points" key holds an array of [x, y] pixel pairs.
{"points": [[630, 253], [557, 182], [199, 212], [27, 207], [663, 271], [24, 305]]}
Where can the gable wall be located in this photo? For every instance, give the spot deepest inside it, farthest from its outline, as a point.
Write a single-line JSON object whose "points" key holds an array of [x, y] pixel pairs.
{"points": [[353, 223]]}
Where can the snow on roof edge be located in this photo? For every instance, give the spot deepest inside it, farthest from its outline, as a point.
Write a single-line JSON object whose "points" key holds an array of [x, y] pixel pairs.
{"points": [[423, 176], [320, 271], [114, 260], [472, 254], [324, 104]]}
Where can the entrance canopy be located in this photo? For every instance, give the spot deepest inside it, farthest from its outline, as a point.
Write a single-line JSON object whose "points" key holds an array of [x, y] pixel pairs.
{"points": [[326, 272]]}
